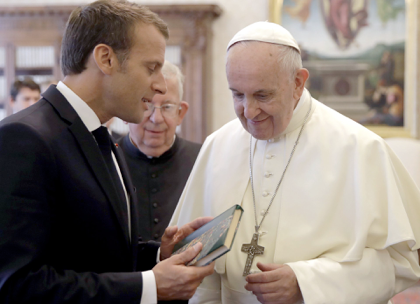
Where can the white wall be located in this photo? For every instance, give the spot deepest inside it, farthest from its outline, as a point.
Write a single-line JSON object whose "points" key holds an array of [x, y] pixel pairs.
{"points": [[236, 15]]}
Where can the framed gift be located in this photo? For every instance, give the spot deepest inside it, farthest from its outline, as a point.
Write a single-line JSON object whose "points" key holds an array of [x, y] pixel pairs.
{"points": [[359, 56]]}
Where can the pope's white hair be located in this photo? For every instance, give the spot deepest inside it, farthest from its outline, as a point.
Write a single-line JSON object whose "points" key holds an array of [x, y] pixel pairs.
{"points": [[169, 71], [289, 58]]}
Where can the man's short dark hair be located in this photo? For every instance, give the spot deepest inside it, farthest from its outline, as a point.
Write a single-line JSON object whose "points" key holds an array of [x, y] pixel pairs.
{"points": [[111, 22], [25, 83]]}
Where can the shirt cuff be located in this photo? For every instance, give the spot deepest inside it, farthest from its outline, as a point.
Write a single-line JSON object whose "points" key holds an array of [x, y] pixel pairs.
{"points": [[149, 291], [158, 256]]}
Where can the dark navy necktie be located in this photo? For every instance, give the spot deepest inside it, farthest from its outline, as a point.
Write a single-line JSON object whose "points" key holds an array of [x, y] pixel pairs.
{"points": [[105, 143]]}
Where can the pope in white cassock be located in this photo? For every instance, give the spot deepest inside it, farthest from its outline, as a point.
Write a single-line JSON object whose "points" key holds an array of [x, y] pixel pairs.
{"points": [[335, 211]]}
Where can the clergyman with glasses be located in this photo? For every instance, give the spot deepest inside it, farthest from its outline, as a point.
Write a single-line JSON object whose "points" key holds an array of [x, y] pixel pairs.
{"points": [[159, 160]]}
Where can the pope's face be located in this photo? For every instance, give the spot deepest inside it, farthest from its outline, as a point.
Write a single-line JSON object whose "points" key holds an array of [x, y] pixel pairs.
{"points": [[264, 96]]}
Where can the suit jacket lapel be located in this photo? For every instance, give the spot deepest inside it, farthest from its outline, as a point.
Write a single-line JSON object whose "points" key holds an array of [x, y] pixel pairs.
{"points": [[131, 196], [92, 153]]}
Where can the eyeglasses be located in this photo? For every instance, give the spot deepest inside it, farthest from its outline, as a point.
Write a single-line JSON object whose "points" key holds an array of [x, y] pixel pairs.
{"points": [[167, 110]]}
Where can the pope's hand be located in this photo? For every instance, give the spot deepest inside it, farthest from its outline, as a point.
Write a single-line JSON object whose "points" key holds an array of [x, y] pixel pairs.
{"points": [[175, 281], [173, 235], [275, 284]]}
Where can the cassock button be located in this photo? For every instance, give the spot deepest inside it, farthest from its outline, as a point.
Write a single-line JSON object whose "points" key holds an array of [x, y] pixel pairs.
{"points": [[268, 156], [265, 193], [156, 236], [155, 205], [154, 175], [156, 220], [154, 190], [267, 174]]}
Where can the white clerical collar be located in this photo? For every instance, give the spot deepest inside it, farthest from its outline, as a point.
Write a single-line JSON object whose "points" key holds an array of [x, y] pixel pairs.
{"points": [[300, 112], [298, 117], [86, 114]]}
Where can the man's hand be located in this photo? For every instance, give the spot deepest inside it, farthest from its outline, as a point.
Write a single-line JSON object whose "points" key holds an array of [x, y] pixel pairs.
{"points": [[275, 284], [173, 235], [174, 280]]}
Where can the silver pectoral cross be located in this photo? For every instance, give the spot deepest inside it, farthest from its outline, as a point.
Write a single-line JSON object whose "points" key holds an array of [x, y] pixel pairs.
{"points": [[252, 249]]}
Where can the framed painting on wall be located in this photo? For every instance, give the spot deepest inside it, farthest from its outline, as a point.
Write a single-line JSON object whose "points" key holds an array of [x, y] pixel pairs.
{"points": [[355, 53]]}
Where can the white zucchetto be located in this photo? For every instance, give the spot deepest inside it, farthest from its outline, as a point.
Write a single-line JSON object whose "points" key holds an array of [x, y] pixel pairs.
{"points": [[265, 31]]}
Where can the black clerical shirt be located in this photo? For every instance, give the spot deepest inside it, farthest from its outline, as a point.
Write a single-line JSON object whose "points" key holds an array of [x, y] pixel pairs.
{"points": [[159, 182]]}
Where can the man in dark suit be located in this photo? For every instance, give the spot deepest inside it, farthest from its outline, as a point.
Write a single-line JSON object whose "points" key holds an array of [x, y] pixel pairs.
{"points": [[160, 161], [68, 218]]}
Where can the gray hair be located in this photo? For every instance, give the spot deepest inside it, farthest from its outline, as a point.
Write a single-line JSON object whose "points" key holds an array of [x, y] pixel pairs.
{"points": [[289, 58], [169, 71]]}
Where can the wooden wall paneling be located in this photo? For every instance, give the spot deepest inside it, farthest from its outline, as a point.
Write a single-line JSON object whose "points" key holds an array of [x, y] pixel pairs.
{"points": [[195, 58]]}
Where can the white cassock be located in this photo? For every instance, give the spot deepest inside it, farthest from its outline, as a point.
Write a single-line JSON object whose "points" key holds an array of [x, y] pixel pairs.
{"points": [[346, 217]]}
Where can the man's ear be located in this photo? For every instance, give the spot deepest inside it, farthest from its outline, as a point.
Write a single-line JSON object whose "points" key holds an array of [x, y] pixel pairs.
{"points": [[184, 108], [300, 79], [105, 58]]}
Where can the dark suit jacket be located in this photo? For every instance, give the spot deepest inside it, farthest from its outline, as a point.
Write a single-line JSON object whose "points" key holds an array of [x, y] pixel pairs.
{"points": [[63, 229]]}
